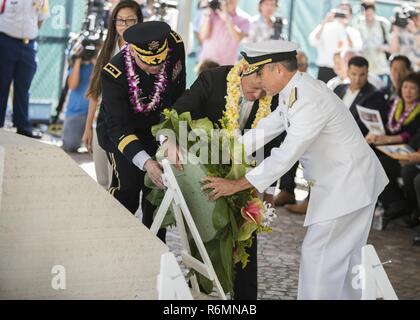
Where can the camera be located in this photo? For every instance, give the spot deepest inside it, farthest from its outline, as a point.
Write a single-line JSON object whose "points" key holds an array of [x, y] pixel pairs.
{"points": [[88, 39], [160, 7], [401, 16], [339, 13], [215, 4], [90, 43], [163, 10], [278, 27], [92, 34]]}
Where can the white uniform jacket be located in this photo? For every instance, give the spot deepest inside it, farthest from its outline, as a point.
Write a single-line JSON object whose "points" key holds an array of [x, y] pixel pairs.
{"points": [[342, 170]]}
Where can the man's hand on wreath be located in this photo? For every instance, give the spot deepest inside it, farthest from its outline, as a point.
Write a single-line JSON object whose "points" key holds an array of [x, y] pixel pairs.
{"points": [[224, 187], [173, 154]]}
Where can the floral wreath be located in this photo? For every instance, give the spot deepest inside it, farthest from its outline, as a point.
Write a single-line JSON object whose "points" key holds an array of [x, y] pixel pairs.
{"points": [[230, 119], [133, 80]]}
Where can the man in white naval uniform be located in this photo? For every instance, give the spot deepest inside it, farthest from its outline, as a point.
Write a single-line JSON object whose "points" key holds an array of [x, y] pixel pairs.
{"points": [[344, 175]]}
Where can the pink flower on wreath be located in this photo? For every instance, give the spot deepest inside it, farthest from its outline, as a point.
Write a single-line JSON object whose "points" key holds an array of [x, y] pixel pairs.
{"points": [[254, 211]]}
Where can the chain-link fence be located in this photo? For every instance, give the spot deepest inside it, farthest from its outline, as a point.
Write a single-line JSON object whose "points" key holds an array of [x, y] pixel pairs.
{"points": [[65, 17]]}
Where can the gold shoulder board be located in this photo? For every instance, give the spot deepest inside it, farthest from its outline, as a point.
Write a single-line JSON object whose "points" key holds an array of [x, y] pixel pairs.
{"points": [[176, 37], [112, 70]]}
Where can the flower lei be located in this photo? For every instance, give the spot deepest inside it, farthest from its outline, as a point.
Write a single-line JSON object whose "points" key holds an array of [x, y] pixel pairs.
{"points": [[133, 80], [230, 119], [395, 126]]}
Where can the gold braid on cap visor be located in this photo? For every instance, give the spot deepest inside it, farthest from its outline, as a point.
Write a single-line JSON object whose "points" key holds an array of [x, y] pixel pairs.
{"points": [[248, 70], [251, 68], [150, 57]]}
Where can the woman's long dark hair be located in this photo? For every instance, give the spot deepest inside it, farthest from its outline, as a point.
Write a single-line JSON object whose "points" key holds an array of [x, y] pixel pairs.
{"points": [[94, 91]]}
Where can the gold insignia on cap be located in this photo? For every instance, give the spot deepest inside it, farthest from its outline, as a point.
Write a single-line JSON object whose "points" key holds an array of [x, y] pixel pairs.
{"points": [[150, 57], [248, 70], [153, 45], [112, 70]]}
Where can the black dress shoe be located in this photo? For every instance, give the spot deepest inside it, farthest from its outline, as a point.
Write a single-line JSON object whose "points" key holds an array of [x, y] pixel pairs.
{"points": [[34, 134], [396, 210], [416, 240], [413, 219]]}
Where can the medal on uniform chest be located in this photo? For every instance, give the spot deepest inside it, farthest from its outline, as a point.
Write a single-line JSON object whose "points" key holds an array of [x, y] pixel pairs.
{"points": [[160, 85]]}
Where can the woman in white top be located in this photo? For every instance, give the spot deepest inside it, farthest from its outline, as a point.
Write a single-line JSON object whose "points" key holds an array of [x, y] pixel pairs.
{"points": [[125, 14]]}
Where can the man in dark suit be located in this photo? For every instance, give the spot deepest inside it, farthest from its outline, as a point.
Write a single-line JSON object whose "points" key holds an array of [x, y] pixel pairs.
{"points": [[360, 92], [206, 98]]}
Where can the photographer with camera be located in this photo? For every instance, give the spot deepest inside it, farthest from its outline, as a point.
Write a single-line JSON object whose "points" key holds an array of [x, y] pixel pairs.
{"points": [[266, 26], [223, 26], [375, 35], [405, 35], [20, 21], [166, 11], [332, 35], [78, 104]]}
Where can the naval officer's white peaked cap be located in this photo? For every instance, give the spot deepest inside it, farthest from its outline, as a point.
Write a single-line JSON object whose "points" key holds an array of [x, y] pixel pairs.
{"points": [[260, 53], [269, 47]]}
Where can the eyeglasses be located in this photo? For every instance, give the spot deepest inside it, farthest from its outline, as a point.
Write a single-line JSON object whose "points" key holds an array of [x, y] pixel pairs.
{"points": [[125, 22]]}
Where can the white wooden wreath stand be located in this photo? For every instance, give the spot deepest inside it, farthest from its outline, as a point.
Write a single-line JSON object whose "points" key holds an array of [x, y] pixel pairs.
{"points": [[173, 197]]}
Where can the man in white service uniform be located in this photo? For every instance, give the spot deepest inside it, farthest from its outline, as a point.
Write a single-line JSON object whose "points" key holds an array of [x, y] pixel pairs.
{"points": [[344, 175]]}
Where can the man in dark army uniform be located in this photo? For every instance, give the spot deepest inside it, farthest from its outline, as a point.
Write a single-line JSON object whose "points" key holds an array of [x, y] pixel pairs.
{"points": [[206, 98], [138, 83]]}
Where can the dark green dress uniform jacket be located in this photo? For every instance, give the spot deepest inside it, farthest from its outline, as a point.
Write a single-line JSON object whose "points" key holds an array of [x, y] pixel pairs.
{"points": [[119, 127], [206, 98]]}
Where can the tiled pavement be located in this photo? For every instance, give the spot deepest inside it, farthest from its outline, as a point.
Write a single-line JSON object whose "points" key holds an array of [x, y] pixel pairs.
{"points": [[278, 253]]}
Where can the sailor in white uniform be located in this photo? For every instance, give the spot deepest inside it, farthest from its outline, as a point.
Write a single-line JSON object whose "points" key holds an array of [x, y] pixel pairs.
{"points": [[344, 174]]}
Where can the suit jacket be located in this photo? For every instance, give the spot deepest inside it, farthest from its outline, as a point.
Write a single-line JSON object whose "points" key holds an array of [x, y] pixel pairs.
{"points": [[342, 170], [368, 97], [206, 98], [415, 141], [119, 127]]}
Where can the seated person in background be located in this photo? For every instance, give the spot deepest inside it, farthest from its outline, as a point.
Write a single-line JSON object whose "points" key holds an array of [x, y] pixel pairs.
{"points": [[341, 62], [78, 104], [402, 124], [340, 68], [361, 92], [410, 174], [400, 67]]}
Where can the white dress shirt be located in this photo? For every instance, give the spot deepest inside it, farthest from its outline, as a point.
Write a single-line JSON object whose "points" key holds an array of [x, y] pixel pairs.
{"points": [[349, 97], [19, 18]]}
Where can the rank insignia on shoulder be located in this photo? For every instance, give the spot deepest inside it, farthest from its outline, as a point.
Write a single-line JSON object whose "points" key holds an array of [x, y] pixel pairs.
{"points": [[176, 36], [177, 70], [293, 98], [112, 70]]}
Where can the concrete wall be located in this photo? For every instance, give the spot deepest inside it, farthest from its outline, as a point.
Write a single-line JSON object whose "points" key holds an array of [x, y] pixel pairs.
{"points": [[53, 214]]}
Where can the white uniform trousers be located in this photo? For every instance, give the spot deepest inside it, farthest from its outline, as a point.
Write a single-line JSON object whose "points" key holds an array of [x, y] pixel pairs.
{"points": [[330, 250]]}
